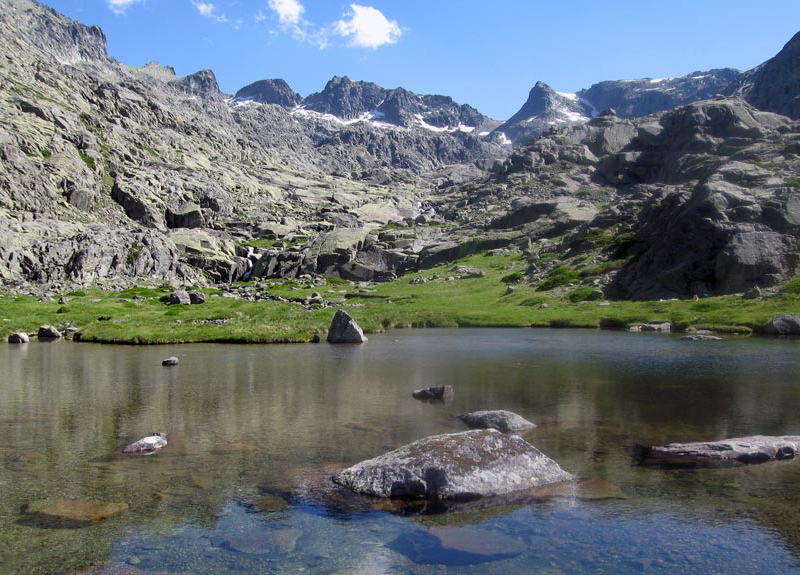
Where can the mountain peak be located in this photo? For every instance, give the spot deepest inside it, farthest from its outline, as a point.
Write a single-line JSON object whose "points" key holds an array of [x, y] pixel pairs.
{"points": [[544, 108], [202, 83], [272, 91], [772, 86]]}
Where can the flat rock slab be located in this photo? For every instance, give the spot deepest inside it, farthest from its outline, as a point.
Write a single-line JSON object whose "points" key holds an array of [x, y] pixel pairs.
{"points": [[456, 546], [77, 510], [736, 451], [701, 337], [587, 490], [457, 466], [499, 419]]}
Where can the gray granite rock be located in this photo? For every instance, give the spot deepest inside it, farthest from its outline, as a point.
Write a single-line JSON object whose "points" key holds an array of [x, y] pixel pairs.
{"points": [[458, 466], [783, 324], [499, 419], [147, 444], [344, 329], [48, 332]]}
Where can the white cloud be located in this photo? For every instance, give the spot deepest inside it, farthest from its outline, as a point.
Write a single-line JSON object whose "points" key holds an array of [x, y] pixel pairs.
{"points": [[208, 10], [367, 27], [120, 6], [290, 12], [260, 16]]}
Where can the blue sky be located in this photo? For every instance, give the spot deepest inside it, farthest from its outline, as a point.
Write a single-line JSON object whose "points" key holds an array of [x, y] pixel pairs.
{"points": [[484, 53]]}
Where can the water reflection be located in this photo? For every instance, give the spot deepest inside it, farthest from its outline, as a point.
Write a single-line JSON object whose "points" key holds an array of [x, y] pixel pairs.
{"points": [[255, 430]]}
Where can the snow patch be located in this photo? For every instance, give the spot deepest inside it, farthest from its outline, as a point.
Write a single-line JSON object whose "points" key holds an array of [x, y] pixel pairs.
{"points": [[504, 140], [420, 121], [568, 96]]}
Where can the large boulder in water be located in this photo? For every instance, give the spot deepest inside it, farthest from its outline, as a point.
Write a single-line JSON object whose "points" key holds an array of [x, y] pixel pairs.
{"points": [[457, 466], [499, 419], [344, 329]]}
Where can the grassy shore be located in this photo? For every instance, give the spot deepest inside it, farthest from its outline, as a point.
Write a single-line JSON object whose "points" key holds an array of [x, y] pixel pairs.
{"points": [[439, 300]]}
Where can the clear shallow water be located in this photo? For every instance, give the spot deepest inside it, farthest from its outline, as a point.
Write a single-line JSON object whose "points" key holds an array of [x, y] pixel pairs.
{"points": [[254, 430]]}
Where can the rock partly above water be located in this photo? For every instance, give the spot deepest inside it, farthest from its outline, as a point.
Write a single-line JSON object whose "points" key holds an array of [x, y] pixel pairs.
{"points": [[458, 466], [48, 332], [740, 450], [501, 420], [700, 337], [344, 329], [20, 337], [443, 392], [147, 444], [783, 324], [170, 361]]}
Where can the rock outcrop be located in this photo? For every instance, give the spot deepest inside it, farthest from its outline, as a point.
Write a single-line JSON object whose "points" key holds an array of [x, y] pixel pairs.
{"points": [[458, 466]]}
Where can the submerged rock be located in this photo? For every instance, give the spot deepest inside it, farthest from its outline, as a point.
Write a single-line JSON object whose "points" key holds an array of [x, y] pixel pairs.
{"points": [[147, 444], [587, 490], [700, 337], [443, 392], [499, 419], [344, 329], [19, 337], [740, 450], [264, 542], [456, 546], [76, 510], [112, 568], [457, 466]]}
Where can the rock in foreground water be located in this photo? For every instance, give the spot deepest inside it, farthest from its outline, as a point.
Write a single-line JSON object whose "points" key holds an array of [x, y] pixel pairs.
{"points": [[740, 450], [344, 329], [147, 444], [19, 337], [499, 419], [170, 361], [457, 466]]}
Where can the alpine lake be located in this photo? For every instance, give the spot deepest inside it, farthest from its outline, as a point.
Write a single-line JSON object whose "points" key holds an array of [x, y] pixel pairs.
{"points": [[255, 432]]}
